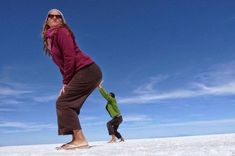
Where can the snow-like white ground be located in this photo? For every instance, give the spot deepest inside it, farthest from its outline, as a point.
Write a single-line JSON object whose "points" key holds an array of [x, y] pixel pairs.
{"points": [[210, 145]]}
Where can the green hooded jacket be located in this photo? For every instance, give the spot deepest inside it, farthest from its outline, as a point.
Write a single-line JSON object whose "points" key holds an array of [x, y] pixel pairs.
{"points": [[111, 105]]}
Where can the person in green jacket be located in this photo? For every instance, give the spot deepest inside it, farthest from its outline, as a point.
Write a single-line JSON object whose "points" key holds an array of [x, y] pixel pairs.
{"points": [[114, 113]]}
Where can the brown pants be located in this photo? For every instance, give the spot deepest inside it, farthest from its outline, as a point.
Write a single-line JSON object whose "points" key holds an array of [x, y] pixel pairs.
{"points": [[68, 105], [113, 125]]}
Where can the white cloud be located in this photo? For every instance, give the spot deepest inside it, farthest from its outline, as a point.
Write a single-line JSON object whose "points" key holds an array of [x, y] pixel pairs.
{"points": [[190, 124], [44, 98], [18, 94], [219, 80], [201, 123], [9, 102], [149, 87], [90, 118], [94, 121], [217, 75], [4, 91], [134, 118], [203, 90], [9, 127], [6, 110], [93, 124]]}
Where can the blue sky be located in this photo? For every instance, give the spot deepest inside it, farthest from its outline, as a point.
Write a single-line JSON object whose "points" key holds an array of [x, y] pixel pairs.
{"points": [[170, 63]]}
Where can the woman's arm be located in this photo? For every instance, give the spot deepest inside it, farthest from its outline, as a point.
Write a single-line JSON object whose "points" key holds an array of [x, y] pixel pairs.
{"points": [[66, 45]]}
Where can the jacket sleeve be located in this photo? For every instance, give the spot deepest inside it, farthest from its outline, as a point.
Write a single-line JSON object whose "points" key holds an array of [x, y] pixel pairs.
{"points": [[105, 94], [66, 45]]}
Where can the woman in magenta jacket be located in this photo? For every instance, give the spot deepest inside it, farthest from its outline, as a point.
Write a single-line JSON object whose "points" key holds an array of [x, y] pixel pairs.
{"points": [[80, 75]]}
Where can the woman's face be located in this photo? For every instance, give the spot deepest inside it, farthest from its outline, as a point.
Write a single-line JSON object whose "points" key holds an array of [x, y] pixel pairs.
{"points": [[54, 19]]}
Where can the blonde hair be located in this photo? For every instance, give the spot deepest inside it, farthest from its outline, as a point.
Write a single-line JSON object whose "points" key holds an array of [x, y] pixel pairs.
{"points": [[45, 27]]}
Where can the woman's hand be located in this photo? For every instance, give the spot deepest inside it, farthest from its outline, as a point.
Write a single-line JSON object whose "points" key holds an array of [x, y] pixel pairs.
{"points": [[62, 90]]}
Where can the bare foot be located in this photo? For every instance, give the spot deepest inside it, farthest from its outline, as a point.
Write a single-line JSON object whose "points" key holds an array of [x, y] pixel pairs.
{"points": [[64, 145], [79, 143], [112, 141], [122, 140], [73, 145]]}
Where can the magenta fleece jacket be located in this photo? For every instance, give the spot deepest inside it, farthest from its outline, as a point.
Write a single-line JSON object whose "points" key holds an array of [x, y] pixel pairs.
{"points": [[67, 55]]}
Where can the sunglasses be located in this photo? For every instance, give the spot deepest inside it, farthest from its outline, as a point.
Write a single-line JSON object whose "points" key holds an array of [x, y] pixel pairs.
{"points": [[56, 16]]}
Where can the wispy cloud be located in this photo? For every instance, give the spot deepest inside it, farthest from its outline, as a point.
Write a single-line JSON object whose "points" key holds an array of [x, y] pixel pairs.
{"points": [[10, 127], [93, 124], [91, 121], [6, 91], [14, 90], [217, 74], [6, 110], [149, 88], [90, 118], [15, 94], [202, 90], [201, 123], [45, 98], [9, 102], [137, 118], [133, 119], [190, 124], [218, 81]]}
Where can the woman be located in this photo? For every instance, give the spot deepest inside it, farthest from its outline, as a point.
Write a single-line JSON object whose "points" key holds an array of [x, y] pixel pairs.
{"points": [[80, 76]]}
